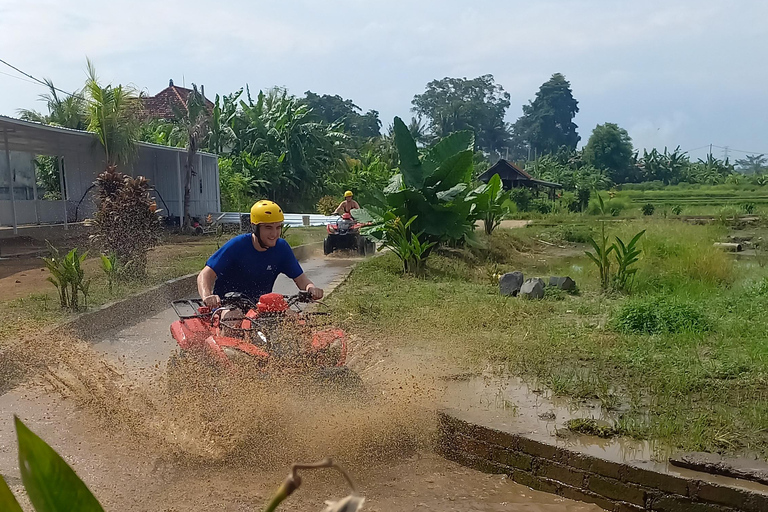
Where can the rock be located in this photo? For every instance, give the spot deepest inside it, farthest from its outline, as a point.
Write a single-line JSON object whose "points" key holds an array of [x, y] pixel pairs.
{"points": [[510, 283], [548, 416], [532, 289], [564, 283]]}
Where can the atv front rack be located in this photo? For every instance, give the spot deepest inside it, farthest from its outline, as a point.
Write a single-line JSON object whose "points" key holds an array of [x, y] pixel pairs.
{"points": [[188, 308]]}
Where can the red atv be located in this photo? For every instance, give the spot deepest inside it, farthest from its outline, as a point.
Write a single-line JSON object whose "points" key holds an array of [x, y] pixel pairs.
{"points": [[273, 334], [345, 234]]}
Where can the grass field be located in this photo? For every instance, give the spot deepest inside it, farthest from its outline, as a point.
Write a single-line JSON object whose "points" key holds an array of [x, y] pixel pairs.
{"points": [[684, 357]]}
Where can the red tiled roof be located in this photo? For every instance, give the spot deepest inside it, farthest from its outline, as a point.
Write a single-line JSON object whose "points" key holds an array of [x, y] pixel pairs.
{"points": [[161, 105]]}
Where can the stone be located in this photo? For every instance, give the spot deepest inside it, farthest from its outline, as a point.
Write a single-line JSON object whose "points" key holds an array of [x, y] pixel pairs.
{"points": [[532, 289], [510, 283], [564, 283]]}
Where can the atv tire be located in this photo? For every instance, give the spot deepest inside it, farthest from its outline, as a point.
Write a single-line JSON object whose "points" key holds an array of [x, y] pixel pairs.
{"points": [[327, 246]]}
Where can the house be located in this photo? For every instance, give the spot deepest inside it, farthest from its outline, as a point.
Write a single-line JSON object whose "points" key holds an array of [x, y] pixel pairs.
{"points": [[513, 176], [163, 104]]}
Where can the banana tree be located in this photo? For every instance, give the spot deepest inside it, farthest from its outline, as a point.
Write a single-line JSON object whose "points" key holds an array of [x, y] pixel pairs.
{"points": [[489, 203]]}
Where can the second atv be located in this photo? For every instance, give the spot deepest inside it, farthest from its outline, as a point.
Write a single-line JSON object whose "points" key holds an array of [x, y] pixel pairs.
{"points": [[345, 234]]}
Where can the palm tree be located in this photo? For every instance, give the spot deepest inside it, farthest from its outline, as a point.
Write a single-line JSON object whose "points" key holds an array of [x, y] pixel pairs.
{"points": [[69, 112], [193, 121], [112, 117]]}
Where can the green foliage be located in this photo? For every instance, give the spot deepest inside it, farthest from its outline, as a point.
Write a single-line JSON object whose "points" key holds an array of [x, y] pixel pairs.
{"points": [[542, 206], [610, 149], [489, 203], [659, 315], [677, 209], [648, 209], [126, 222], [111, 269], [601, 257], [67, 112], [336, 110], [367, 177], [665, 167], [749, 208], [547, 121], [752, 164], [522, 198], [626, 256], [48, 176], [67, 275], [433, 189], [612, 207], [243, 179], [327, 205], [112, 117], [401, 240], [455, 104], [52, 486]]}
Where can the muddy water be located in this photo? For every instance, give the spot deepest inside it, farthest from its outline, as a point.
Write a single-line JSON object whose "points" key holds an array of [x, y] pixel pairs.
{"points": [[107, 410]]}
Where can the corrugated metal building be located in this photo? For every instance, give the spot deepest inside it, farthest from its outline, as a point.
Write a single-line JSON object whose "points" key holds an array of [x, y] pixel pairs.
{"points": [[82, 159]]}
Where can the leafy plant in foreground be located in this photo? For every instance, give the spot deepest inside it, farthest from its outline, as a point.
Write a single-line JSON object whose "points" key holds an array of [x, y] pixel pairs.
{"points": [[52, 486], [401, 240]]}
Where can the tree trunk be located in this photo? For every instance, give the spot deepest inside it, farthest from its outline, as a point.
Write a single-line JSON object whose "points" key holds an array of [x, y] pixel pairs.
{"points": [[189, 172]]}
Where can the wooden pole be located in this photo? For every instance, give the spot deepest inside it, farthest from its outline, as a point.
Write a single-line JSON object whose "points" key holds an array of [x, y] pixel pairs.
{"points": [[10, 181]]}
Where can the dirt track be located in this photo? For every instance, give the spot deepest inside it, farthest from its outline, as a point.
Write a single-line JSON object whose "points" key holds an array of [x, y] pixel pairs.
{"points": [[138, 449]]}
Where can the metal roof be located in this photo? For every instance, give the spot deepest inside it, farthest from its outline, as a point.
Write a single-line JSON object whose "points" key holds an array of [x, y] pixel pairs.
{"points": [[38, 138]]}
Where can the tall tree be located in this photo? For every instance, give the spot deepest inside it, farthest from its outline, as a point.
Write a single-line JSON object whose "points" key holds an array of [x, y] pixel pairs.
{"points": [[335, 109], [547, 121], [455, 104], [112, 117], [69, 112], [610, 149], [192, 120], [752, 164]]}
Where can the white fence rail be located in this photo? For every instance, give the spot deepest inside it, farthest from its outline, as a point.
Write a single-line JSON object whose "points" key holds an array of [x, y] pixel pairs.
{"points": [[291, 219]]}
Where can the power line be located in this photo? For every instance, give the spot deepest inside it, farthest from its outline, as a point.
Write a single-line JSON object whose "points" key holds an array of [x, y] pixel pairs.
{"points": [[41, 82], [19, 78]]}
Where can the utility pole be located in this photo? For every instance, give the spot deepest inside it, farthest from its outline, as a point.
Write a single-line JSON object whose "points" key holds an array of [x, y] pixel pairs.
{"points": [[710, 149], [725, 153]]}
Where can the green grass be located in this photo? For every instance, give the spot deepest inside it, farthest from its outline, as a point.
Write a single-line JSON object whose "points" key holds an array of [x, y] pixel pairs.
{"points": [[697, 379]]}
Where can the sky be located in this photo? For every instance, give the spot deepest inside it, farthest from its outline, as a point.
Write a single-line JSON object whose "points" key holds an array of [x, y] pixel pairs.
{"points": [[674, 72]]}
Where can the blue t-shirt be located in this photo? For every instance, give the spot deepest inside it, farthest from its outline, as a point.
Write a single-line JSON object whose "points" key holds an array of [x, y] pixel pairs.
{"points": [[241, 268]]}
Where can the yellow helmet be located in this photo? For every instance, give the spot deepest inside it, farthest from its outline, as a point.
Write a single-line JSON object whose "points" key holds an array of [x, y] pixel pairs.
{"points": [[266, 211], [348, 193]]}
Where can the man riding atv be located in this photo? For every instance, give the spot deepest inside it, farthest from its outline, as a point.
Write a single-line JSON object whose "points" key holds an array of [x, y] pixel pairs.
{"points": [[347, 205], [250, 263]]}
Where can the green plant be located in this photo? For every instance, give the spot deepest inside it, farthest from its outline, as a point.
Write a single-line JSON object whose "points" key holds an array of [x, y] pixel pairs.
{"points": [[51, 484], [327, 205], [749, 208], [601, 257], [542, 206], [522, 198], [126, 222], [626, 256], [110, 268], [432, 190], [648, 209], [677, 209], [489, 203], [659, 315], [68, 277], [401, 240]]}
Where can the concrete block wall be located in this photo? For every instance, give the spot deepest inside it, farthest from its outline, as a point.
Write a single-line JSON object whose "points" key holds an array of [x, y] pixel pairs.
{"points": [[619, 487]]}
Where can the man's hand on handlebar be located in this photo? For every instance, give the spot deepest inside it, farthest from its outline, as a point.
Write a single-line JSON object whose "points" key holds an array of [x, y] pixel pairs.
{"points": [[315, 292], [212, 301]]}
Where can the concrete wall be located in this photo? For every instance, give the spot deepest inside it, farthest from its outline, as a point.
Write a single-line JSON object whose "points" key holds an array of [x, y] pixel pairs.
{"points": [[620, 487], [83, 162]]}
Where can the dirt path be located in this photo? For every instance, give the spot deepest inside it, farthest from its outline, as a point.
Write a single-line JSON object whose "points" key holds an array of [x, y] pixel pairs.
{"points": [[107, 411]]}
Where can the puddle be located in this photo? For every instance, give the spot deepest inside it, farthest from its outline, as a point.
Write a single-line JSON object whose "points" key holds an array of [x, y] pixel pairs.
{"points": [[509, 404]]}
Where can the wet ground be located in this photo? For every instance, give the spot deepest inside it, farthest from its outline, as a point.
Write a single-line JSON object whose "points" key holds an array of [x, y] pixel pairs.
{"points": [[105, 409]]}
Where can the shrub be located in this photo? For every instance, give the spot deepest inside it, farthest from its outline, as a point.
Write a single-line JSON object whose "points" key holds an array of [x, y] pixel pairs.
{"points": [[68, 277], [659, 315], [749, 208], [677, 209], [126, 222], [542, 206], [522, 198], [327, 205], [575, 233], [648, 209]]}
